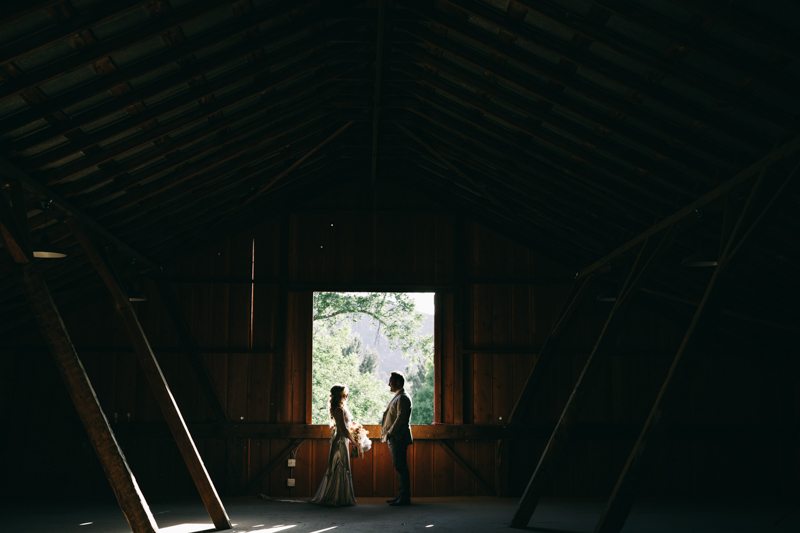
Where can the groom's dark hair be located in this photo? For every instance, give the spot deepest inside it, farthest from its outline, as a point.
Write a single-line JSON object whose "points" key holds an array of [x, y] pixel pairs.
{"points": [[399, 378]]}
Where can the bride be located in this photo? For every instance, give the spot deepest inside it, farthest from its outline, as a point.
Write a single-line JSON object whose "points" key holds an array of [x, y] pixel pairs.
{"points": [[336, 487]]}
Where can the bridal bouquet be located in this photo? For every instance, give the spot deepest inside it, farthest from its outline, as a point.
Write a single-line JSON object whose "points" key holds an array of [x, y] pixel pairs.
{"points": [[362, 443]]}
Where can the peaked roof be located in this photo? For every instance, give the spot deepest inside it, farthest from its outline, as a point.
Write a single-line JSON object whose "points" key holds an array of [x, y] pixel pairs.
{"points": [[571, 125]]}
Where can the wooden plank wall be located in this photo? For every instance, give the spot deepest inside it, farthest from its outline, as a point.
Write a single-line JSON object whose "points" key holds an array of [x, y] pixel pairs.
{"points": [[509, 295]]}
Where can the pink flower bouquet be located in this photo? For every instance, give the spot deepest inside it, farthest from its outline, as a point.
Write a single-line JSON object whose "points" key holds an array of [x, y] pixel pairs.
{"points": [[362, 443]]}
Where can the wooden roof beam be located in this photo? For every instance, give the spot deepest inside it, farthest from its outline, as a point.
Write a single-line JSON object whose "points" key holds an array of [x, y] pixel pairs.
{"points": [[14, 10], [619, 107], [117, 81], [775, 155], [494, 143], [208, 107], [549, 99], [200, 90], [681, 37], [186, 168], [445, 195], [289, 147], [10, 171], [297, 163], [541, 218], [594, 30], [567, 77], [746, 23], [535, 169], [530, 191], [185, 238], [523, 196], [167, 26], [543, 111], [66, 28], [662, 180]]}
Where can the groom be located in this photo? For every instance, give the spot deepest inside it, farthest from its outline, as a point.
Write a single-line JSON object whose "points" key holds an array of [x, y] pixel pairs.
{"points": [[396, 431]]}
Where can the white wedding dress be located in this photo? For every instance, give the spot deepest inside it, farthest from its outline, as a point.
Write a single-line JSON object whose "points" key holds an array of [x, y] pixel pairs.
{"points": [[336, 487]]}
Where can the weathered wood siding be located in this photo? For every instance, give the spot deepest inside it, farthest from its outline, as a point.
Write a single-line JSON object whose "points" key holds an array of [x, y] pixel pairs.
{"points": [[496, 303]]}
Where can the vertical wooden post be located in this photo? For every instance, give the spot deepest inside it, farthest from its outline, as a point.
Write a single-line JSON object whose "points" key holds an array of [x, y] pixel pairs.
{"points": [[624, 494], [282, 326], [438, 396], [119, 474], [158, 384], [459, 302], [542, 476]]}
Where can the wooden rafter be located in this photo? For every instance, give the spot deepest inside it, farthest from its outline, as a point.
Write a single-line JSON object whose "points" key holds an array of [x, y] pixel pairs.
{"points": [[775, 155], [155, 378], [11, 171], [745, 23], [593, 30], [556, 75], [681, 39], [576, 57]]}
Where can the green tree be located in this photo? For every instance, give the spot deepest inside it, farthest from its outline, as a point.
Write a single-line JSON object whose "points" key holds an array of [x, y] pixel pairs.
{"points": [[393, 313], [334, 363], [336, 354], [421, 380], [369, 362]]}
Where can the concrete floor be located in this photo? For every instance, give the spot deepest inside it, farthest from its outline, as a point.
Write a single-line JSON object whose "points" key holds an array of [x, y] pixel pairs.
{"points": [[251, 515]]}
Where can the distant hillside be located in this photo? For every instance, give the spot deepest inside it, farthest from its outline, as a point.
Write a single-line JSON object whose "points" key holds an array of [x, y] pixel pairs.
{"points": [[390, 359]]}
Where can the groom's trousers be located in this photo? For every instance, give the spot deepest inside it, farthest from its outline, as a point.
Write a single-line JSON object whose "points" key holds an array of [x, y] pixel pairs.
{"points": [[398, 451]]}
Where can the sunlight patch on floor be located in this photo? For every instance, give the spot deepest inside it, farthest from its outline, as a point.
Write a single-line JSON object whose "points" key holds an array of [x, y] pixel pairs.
{"points": [[186, 528]]}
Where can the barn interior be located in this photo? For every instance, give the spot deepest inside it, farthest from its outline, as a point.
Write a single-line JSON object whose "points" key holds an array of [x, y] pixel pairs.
{"points": [[602, 194]]}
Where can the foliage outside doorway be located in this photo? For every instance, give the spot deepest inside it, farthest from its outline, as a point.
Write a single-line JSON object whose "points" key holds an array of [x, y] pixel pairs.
{"points": [[343, 352]]}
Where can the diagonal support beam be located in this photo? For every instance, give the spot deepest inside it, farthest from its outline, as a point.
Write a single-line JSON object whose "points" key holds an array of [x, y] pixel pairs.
{"points": [[296, 164], [123, 483], [649, 254], [468, 469], [192, 350], [547, 353], [11, 171], [543, 360], [623, 496], [155, 378], [748, 173], [478, 188], [14, 230], [256, 481]]}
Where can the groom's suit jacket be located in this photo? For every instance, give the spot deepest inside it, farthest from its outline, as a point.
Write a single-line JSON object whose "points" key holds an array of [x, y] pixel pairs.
{"points": [[397, 418]]}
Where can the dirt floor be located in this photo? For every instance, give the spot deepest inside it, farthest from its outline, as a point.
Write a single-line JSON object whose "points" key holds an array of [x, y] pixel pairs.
{"points": [[252, 515]]}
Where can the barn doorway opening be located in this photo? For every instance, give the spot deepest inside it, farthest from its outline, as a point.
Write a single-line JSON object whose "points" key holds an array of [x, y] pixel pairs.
{"points": [[360, 338]]}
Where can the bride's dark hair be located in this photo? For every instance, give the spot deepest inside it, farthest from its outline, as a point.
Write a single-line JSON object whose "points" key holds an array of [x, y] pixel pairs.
{"points": [[336, 400]]}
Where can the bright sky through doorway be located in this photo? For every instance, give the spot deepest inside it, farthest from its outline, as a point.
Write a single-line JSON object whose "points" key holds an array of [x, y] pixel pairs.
{"points": [[424, 302]]}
